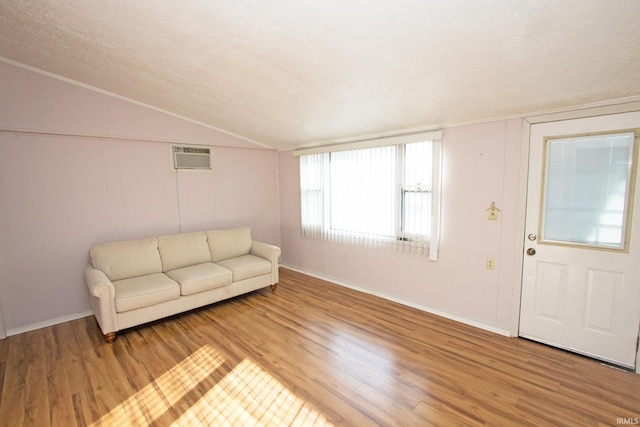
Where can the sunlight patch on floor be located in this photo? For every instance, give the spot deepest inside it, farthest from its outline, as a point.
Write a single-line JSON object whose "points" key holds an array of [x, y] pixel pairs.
{"points": [[247, 396], [154, 400], [250, 396]]}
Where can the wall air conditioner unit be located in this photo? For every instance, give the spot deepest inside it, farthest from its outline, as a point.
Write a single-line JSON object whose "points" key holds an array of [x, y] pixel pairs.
{"points": [[191, 158]]}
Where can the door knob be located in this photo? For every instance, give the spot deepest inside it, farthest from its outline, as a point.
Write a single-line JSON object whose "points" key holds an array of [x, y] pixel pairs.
{"points": [[531, 251]]}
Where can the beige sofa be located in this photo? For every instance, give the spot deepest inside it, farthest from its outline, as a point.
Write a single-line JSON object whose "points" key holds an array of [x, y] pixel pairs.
{"points": [[138, 281]]}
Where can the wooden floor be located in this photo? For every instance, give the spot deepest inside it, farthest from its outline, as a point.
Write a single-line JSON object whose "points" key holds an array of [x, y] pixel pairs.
{"points": [[313, 353]]}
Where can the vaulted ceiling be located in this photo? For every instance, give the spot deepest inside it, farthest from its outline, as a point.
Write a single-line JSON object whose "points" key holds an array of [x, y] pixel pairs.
{"points": [[287, 73]]}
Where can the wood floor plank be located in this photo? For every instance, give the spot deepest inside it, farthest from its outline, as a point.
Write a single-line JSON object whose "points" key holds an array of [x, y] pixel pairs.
{"points": [[298, 363], [61, 411], [313, 353]]}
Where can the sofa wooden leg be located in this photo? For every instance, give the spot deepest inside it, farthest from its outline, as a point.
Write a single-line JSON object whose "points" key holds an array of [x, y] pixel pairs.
{"points": [[110, 337], [273, 287]]}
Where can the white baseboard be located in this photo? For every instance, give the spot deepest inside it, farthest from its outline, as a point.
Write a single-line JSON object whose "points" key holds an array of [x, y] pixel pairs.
{"points": [[461, 319], [50, 322]]}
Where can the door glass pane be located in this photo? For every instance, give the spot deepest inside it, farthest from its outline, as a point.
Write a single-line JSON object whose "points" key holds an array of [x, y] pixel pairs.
{"points": [[586, 190]]}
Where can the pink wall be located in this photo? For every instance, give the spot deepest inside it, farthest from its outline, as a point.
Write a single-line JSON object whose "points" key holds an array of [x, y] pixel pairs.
{"points": [[481, 164], [60, 194], [113, 180], [32, 101]]}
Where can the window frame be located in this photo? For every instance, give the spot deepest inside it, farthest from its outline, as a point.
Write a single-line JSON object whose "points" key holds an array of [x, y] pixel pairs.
{"points": [[401, 236]]}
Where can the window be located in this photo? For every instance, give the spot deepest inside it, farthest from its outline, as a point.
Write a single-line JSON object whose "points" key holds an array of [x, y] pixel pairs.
{"points": [[381, 195], [416, 191], [587, 193]]}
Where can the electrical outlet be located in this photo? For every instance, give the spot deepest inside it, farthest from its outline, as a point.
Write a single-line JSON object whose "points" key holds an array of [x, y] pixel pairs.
{"points": [[491, 264]]}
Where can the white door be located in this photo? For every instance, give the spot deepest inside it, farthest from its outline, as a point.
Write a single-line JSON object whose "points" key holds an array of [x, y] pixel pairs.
{"points": [[581, 269]]}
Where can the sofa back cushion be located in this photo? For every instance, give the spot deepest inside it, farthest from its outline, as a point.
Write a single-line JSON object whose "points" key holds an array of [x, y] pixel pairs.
{"points": [[183, 250], [122, 260], [225, 244]]}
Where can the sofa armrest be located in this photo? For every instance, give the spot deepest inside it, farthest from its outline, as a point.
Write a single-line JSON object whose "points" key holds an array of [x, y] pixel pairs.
{"points": [[98, 283], [103, 295], [271, 253]]}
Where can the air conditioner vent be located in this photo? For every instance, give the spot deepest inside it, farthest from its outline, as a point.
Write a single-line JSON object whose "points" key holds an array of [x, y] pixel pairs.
{"points": [[191, 157]]}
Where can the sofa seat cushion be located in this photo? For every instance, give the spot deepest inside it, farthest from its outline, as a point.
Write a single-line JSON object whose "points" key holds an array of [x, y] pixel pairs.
{"points": [[144, 291], [200, 277], [246, 266]]}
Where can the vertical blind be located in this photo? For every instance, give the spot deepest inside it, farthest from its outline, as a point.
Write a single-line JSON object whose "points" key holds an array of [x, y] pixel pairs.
{"points": [[382, 196]]}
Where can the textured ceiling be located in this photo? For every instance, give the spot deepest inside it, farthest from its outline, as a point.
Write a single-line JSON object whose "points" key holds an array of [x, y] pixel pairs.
{"points": [[295, 72]]}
